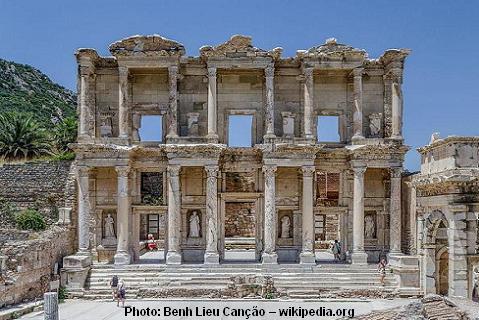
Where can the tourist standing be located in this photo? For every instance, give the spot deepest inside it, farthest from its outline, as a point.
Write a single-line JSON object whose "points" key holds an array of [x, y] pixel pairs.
{"points": [[114, 287], [336, 250], [382, 270], [121, 294]]}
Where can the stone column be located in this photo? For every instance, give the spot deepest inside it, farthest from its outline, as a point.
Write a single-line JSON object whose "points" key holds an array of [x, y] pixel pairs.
{"points": [[308, 103], [269, 255], [393, 102], [173, 104], [211, 254], [85, 112], [269, 114], [174, 205], [358, 256], [307, 253], [413, 219], [123, 209], [83, 176], [358, 104], [395, 212], [50, 306], [123, 108], [212, 135], [458, 270]]}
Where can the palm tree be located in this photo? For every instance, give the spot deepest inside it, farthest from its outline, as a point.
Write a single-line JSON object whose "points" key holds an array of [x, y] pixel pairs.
{"points": [[65, 133], [21, 137]]}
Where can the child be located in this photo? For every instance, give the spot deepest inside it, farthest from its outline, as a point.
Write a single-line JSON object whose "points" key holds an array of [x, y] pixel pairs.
{"points": [[121, 294], [382, 270]]}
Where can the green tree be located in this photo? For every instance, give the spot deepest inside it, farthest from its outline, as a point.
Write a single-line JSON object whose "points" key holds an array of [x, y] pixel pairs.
{"points": [[21, 137], [65, 132], [30, 219]]}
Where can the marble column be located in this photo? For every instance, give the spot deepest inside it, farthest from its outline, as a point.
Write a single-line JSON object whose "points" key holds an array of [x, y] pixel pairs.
{"points": [[85, 112], [358, 104], [396, 101], [123, 100], [212, 135], [211, 253], [308, 103], [269, 114], [174, 206], [395, 212], [173, 102], [123, 209], [83, 176], [307, 253], [358, 256], [269, 255]]}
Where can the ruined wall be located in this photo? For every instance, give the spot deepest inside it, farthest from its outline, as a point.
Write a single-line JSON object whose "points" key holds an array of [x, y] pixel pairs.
{"points": [[40, 185], [240, 219], [28, 266]]}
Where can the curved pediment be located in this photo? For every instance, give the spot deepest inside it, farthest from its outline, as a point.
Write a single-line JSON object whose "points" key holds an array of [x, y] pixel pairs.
{"points": [[152, 45], [238, 46], [332, 50]]}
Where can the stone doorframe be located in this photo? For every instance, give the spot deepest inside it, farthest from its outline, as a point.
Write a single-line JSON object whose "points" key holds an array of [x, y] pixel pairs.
{"points": [[255, 198]]}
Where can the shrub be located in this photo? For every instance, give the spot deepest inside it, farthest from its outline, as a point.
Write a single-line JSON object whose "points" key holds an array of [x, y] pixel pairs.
{"points": [[30, 219], [7, 212], [62, 294]]}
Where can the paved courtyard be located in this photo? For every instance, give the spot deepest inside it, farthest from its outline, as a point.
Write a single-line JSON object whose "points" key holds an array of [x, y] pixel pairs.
{"points": [[79, 309]]}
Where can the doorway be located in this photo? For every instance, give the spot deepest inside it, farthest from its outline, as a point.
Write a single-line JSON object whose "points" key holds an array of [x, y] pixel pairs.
{"points": [[442, 262]]}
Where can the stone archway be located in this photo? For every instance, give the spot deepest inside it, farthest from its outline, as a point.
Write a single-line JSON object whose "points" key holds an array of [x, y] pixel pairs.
{"points": [[442, 271]]}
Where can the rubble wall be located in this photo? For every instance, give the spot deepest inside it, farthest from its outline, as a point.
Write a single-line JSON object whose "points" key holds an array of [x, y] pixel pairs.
{"points": [[28, 266]]}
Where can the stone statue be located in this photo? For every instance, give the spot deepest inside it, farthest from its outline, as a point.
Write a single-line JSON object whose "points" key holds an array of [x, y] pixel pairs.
{"points": [[434, 137], [109, 227], [193, 126], [285, 226], [375, 124], [194, 225], [369, 227], [288, 124]]}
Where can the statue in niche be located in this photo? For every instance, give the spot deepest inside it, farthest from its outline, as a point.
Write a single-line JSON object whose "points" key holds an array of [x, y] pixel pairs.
{"points": [[288, 124], [285, 227], [375, 124], [194, 225], [193, 126], [369, 227], [109, 239], [106, 128]]}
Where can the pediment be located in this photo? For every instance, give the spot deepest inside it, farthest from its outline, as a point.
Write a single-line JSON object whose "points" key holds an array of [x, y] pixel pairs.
{"points": [[151, 45], [238, 46], [332, 50]]}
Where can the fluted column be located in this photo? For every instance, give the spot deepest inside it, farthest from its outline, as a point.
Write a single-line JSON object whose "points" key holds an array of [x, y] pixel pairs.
{"points": [[308, 103], [85, 112], [358, 104], [395, 214], [123, 209], [359, 256], [269, 255], [123, 99], [173, 102], [211, 253], [307, 253], [83, 176], [269, 114], [212, 135], [174, 198]]}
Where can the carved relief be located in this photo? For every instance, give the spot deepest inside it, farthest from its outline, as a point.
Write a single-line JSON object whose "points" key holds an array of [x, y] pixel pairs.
{"points": [[153, 45], [370, 226]]}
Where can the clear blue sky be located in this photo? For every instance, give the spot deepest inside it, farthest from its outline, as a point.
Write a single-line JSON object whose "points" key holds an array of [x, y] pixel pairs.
{"points": [[441, 84]]}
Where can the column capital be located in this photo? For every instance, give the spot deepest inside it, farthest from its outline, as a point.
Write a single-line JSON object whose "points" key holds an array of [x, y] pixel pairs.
{"points": [[86, 71], [211, 72], [269, 169], [173, 70], [308, 171], [123, 171], [357, 72], [123, 71], [269, 70], [396, 172], [83, 172], [308, 72], [211, 171], [173, 170], [359, 170]]}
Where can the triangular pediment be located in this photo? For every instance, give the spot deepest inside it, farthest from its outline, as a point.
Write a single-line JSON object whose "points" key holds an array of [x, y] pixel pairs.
{"points": [[151, 45]]}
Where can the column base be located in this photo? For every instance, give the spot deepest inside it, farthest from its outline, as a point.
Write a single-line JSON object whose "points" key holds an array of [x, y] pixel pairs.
{"points": [[307, 258], [122, 258], [396, 137], [269, 258], [269, 138], [359, 258], [173, 257], [357, 139], [172, 138], [212, 258]]}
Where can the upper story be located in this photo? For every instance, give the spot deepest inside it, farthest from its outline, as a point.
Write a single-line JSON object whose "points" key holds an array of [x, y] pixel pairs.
{"points": [[198, 99]]}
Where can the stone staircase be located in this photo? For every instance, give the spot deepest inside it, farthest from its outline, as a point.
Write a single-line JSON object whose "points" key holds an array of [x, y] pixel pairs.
{"points": [[292, 280]]}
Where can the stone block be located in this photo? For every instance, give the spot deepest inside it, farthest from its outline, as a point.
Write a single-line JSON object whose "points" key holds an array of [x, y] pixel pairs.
{"points": [[76, 261], [360, 258], [173, 258], [269, 258]]}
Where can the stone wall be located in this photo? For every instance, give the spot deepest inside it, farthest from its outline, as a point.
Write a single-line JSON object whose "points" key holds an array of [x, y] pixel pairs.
{"points": [[28, 266], [240, 219], [40, 185]]}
